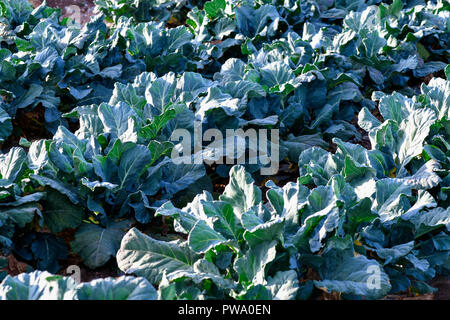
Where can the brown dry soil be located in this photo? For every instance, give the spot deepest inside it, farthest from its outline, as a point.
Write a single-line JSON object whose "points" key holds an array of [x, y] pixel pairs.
{"points": [[15, 267]]}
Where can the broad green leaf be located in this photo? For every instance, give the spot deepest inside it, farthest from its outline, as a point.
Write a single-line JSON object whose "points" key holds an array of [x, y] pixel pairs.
{"points": [[59, 213], [213, 7], [122, 288], [149, 258], [241, 191], [268, 231], [37, 285], [426, 221], [393, 254], [5, 125], [47, 250], [161, 91], [437, 93], [97, 244], [251, 267], [203, 238], [356, 275], [12, 163], [225, 221], [118, 121], [284, 285], [415, 129], [204, 270], [390, 198], [132, 164]]}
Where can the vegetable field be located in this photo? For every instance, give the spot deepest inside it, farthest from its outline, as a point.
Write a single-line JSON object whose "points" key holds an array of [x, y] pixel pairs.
{"points": [[100, 199]]}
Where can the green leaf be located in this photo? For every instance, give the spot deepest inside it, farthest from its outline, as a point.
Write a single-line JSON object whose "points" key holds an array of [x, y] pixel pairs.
{"points": [[150, 258], [118, 121], [225, 221], [21, 215], [161, 91], [178, 177], [152, 130], [61, 187], [251, 267], [204, 270], [132, 164], [276, 74], [241, 191], [429, 67], [128, 94], [356, 275], [59, 213], [358, 215], [203, 238], [284, 285], [97, 244], [437, 93], [366, 120], [12, 163], [415, 129], [37, 285], [265, 232], [393, 254], [390, 198], [425, 178], [213, 7], [371, 43], [426, 221], [47, 250], [122, 288], [5, 125], [29, 97]]}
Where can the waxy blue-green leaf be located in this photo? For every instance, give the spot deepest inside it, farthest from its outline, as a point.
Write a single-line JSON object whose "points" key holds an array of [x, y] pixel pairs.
{"points": [[393, 254], [437, 93], [128, 94], [122, 288], [12, 163], [149, 258], [42, 285], [251, 267], [251, 22], [60, 213], [425, 178], [203, 238], [345, 273], [223, 219], [37, 285], [204, 270], [132, 164], [161, 91], [118, 121], [47, 250], [425, 221], [241, 191], [178, 177], [68, 190], [268, 231], [21, 215], [391, 199], [5, 124], [284, 285], [97, 244]]}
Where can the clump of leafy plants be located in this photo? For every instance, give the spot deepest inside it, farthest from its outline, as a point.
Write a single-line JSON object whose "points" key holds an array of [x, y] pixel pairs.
{"points": [[359, 91]]}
